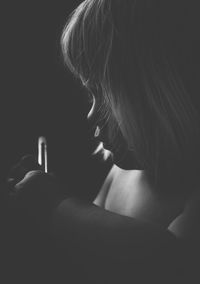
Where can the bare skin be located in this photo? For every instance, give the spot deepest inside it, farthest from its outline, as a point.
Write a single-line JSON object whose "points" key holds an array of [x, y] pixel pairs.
{"points": [[127, 192]]}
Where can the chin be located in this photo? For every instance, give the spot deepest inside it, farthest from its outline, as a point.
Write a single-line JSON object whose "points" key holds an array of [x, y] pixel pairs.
{"points": [[123, 166], [127, 163]]}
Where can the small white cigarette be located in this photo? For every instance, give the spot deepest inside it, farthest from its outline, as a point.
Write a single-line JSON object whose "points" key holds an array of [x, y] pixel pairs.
{"points": [[42, 153]]}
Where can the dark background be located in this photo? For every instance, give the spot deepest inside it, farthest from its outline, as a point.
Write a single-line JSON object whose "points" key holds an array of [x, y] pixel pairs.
{"points": [[39, 96]]}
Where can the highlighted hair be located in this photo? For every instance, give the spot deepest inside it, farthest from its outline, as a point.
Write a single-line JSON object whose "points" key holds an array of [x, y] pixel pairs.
{"points": [[130, 54]]}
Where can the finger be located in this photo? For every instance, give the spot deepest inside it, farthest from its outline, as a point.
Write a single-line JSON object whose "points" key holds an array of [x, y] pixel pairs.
{"points": [[36, 178], [25, 165], [31, 175], [37, 183]]}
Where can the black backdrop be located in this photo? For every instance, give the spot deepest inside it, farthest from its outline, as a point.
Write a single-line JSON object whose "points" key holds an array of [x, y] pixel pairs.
{"points": [[39, 96]]}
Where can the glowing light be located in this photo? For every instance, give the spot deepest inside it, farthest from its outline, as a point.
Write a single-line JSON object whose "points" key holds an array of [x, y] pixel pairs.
{"points": [[42, 153]]}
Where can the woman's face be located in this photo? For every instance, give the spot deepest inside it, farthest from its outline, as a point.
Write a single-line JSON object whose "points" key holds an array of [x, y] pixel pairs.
{"points": [[121, 156]]}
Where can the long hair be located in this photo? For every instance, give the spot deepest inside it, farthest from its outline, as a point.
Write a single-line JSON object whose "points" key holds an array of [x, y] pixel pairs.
{"points": [[140, 60]]}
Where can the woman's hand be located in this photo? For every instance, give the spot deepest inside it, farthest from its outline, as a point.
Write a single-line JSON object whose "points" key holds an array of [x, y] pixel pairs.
{"points": [[18, 171], [33, 191]]}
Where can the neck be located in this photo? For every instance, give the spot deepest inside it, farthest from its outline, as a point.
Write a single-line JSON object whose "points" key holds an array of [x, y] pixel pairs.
{"points": [[153, 208], [132, 195]]}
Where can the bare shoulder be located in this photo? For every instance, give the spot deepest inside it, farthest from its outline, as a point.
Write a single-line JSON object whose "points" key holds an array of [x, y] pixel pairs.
{"points": [[112, 230], [111, 244]]}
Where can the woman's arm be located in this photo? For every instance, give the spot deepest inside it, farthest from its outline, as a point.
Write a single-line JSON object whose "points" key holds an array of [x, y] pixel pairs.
{"points": [[39, 194], [99, 239]]}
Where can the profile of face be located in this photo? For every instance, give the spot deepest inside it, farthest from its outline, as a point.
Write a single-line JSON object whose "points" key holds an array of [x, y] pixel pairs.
{"points": [[121, 156]]}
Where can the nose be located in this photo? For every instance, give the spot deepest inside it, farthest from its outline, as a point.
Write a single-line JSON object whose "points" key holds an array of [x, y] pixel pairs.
{"points": [[96, 131], [100, 135]]}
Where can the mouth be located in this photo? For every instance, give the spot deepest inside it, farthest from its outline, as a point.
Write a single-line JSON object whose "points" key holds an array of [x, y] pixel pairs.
{"points": [[103, 151]]}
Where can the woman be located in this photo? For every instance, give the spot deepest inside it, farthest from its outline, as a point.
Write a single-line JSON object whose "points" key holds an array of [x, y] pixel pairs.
{"points": [[141, 70], [139, 62]]}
